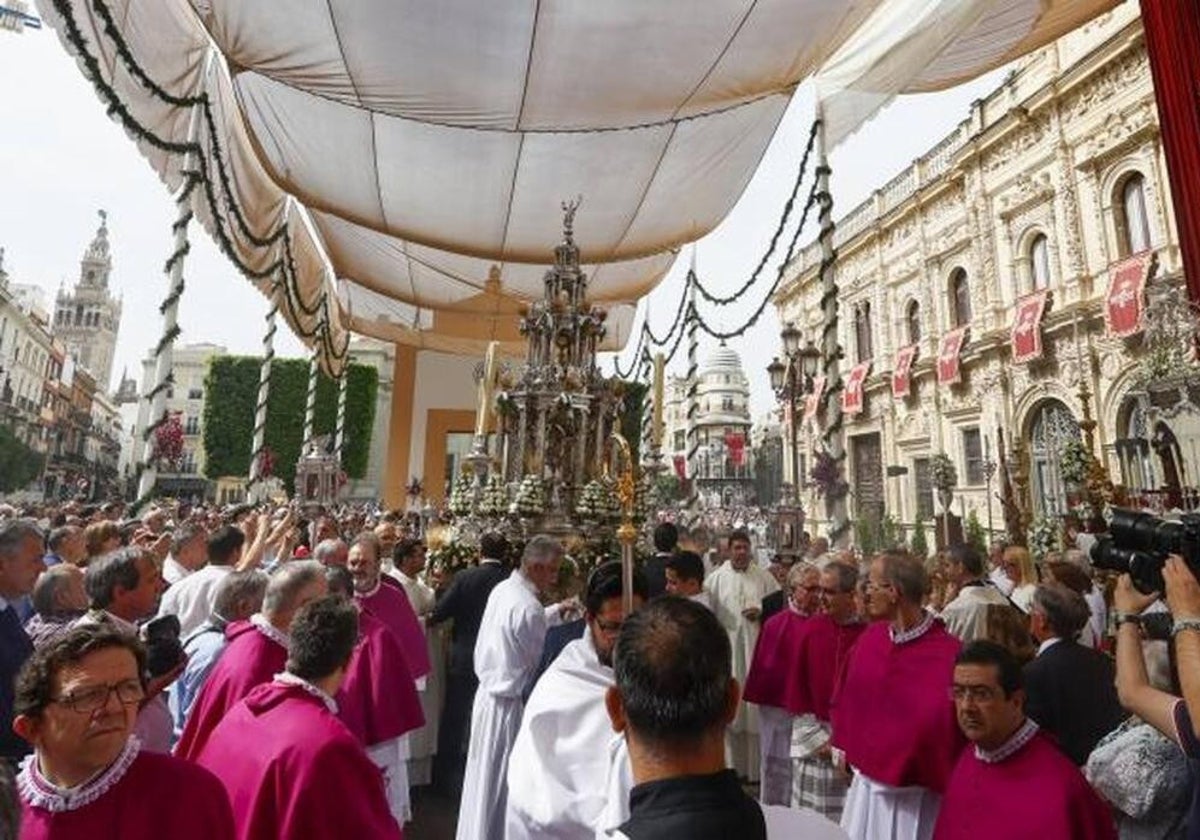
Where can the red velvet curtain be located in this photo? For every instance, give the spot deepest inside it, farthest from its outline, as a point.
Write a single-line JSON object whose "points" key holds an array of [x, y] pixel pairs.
{"points": [[1173, 41]]}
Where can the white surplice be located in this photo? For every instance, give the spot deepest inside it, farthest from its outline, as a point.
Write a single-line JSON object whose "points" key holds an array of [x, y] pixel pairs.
{"points": [[733, 592], [419, 747], [511, 636], [569, 772], [966, 616], [875, 811]]}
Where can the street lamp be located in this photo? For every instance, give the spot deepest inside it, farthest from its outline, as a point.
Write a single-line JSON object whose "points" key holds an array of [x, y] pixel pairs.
{"points": [[791, 379]]}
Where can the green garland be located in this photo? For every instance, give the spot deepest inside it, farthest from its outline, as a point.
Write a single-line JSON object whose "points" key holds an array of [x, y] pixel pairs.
{"points": [[229, 419]]}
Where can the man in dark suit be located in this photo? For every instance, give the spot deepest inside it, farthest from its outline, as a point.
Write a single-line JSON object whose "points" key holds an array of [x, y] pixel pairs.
{"points": [[1070, 688], [666, 539], [21, 551], [464, 602]]}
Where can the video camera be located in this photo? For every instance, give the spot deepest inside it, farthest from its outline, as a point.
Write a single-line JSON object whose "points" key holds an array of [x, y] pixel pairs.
{"points": [[1138, 544]]}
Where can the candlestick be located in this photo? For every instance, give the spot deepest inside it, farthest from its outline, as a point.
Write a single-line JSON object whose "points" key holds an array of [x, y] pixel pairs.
{"points": [[485, 389], [656, 423]]}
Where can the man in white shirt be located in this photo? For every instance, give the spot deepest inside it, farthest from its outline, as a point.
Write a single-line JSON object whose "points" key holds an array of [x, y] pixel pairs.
{"points": [[569, 772], [511, 636], [192, 599], [966, 616], [738, 588], [685, 578], [189, 552]]}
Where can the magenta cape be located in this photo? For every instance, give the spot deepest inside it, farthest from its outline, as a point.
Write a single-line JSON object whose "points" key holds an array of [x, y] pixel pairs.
{"points": [[892, 713], [293, 771], [250, 659], [378, 700], [159, 796], [389, 604], [1037, 792], [824, 649], [775, 653]]}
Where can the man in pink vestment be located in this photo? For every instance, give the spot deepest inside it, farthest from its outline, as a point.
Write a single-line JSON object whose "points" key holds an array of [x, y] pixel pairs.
{"points": [[822, 652], [76, 701], [257, 650], [378, 700], [1014, 782], [893, 722], [385, 599], [292, 770], [767, 683]]}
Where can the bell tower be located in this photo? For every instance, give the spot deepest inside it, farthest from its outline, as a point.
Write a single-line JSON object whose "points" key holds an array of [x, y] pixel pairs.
{"points": [[88, 317]]}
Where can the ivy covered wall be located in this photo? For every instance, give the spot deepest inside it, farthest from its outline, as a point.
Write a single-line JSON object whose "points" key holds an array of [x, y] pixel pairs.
{"points": [[232, 389]]}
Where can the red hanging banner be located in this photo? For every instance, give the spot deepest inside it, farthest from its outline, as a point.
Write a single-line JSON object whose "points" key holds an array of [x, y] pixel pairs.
{"points": [[949, 363], [1027, 328], [852, 396], [736, 444], [1123, 305], [681, 467], [902, 374], [813, 401]]}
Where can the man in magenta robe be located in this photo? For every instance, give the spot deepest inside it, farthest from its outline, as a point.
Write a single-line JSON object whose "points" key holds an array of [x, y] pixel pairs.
{"points": [[292, 770], [1014, 782], [385, 599], [822, 652], [257, 650], [76, 702], [893, 721], [768, 684], [378, 700]]}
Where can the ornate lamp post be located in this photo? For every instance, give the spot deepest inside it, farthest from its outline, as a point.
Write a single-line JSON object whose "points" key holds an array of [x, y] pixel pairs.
{"points": [[792, 379]]}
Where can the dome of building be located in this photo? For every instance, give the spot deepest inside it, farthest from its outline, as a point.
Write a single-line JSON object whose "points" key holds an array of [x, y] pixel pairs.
{"points": [[722, 360]]}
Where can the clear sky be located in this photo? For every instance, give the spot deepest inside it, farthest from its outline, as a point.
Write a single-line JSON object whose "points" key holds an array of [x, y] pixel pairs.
{"points": [[62, 159]]}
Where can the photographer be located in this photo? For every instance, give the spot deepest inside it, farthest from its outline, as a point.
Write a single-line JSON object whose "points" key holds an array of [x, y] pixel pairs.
{"points": [[1171, 715]]}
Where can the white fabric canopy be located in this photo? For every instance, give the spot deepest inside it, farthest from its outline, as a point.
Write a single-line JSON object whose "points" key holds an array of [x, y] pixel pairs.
{"points": [[424, 141]]}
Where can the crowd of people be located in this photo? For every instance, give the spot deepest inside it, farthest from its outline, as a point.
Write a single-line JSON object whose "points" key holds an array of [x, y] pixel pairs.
{"points": [[293, 672]]}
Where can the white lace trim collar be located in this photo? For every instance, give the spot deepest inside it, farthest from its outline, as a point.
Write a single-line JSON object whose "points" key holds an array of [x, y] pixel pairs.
{"points": [[291, 679], [40, 793], [1019, 739], [269, 630], [900, 637], [378, 584]]}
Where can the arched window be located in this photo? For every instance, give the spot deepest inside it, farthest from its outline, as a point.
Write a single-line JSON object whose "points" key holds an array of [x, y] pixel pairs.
{"points": [[1039, 262], [960, 298], [1135, 223], [862, 332], [1052, 426], [912, 320]]}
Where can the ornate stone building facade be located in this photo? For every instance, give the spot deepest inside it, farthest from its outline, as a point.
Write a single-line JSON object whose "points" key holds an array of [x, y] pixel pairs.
{"points": [[1048, 188], [87, 318]]}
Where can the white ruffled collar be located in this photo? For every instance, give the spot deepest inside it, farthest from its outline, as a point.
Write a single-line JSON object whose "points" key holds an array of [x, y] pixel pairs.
{"points": [[291, 679], [40, 793], [1019, 739], [269, 630], [900, 637]]}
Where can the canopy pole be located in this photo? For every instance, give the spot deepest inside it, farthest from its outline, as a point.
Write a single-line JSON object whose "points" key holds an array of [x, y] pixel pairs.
{"points": [[833, 435], [156, 399], [693, 411], [339, 435], [310, 399], [264, 391]]}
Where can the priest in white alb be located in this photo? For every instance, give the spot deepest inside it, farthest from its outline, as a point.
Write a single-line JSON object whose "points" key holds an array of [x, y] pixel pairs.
{"points": [[569, 775], [408, 561], [511, 635], [738, 588]]}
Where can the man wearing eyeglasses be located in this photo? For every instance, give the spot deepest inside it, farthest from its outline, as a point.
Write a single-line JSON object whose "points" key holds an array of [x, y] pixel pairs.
{"points": [[76, 702], [892, 722], [1014, 782], [569, 772]]}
